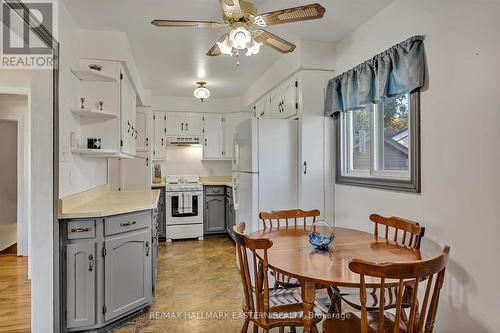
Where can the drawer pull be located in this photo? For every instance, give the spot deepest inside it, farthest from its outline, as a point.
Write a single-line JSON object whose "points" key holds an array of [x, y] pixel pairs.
{"points": [[127, 224], [147, 248], [86, 229]]}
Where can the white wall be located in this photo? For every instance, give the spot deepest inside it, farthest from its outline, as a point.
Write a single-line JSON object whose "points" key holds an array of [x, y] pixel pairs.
{"points": [[187, 161], [78, 173], [8, 182], [460, 110]]}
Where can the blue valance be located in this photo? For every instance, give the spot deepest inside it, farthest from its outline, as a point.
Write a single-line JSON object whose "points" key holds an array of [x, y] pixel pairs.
{"points": [[397, 71]]}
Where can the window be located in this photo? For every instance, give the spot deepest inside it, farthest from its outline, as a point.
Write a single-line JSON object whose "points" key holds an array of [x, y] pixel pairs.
{"points": [[378, 145]]}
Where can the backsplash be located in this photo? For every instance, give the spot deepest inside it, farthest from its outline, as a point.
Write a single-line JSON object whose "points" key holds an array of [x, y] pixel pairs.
{"points": [[188, 160]]}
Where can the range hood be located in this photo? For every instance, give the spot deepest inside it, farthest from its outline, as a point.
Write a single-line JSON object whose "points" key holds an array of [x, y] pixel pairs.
{"points": [[185, 141]]}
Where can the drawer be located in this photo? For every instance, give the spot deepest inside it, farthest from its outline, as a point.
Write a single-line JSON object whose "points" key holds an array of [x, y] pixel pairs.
{"points": [[81, 229], [229, 192], [215, 190], [124, 223], [184, 231]]}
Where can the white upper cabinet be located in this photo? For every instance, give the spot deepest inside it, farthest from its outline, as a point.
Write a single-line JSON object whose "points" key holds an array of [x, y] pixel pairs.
{"points": [[281, 102], [143, 127], [184, 124], [193, 124], [159, 135], [214, 141], [176, 123], [129, 132], [290, 101]]}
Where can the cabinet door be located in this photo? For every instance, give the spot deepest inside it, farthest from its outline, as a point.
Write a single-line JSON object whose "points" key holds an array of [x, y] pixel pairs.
{"points": [[215, 214], [143, 130], [212, 148], [159, 146], [275, 104], [134, 135], [136, 173], [125, 115], [290, 98], [176, 124], [231, 121], [311, 176], [127, 272], [80, 284], [193, 125]]}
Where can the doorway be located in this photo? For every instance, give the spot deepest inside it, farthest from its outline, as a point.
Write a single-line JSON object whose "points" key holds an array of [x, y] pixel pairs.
{"points": [[15, 175]]}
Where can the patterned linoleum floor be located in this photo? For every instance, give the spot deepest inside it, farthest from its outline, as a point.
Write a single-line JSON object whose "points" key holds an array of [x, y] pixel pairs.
{"points": [[198, 290]]}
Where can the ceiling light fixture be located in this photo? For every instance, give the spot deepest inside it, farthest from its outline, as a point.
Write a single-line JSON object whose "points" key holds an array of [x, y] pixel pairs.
{"points": [[201, 92], [240, 38]]}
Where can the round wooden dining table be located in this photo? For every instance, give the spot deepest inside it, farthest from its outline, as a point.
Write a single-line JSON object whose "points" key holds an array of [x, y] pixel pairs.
{"points": [[292, 254]]}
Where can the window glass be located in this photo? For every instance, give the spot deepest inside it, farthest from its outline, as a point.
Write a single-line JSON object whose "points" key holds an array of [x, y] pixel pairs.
{"points": [[360, 139], [396, 134]]}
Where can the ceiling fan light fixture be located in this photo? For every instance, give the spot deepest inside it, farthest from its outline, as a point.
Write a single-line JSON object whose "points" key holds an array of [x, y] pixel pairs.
{"points": [[201, 92], [240, 38], [225, 47], [254, 47]]}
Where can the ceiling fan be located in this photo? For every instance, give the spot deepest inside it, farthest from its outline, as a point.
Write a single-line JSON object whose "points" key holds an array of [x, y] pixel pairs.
{"points": [[240, 16]]}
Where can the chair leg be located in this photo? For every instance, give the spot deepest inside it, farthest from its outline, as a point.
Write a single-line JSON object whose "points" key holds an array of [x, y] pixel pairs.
{"points": [[244, 329], [315, 329], [292, 329], [335, 300], [282, 329], [255, 328]]}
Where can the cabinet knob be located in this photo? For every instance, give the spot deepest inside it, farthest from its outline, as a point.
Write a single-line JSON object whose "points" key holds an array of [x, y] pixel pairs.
{"points": [[147, 248], [182, 126], [187, 127]]}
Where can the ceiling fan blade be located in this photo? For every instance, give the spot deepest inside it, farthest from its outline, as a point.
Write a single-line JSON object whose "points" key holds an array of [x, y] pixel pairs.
{"points": [[295, 14], [187, 24], [231, 6], [271, 40], [215, 50]]}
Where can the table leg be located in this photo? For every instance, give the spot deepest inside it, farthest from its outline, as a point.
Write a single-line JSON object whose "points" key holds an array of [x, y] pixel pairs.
{"points": [[308, 298]]}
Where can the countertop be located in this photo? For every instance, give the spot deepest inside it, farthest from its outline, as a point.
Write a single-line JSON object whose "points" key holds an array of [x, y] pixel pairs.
{"points": [[100, 202], [217, 181]]}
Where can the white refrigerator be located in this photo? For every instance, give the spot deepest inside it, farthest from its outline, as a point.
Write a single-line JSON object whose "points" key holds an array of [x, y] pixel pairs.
{"points": [[265, 168]]}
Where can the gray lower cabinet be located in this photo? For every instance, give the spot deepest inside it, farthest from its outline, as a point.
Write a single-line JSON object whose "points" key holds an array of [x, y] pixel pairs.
{"points": [[108, 268], [80, 284], [214, 215], [127, 272]]}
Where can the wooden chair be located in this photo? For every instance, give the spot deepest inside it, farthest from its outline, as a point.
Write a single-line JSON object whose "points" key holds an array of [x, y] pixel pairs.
{"points": [[396, 229], [265, 309], [285, 219], [422, 310]]}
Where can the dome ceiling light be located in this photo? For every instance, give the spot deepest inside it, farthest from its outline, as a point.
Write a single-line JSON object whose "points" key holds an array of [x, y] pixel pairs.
{"points": [[202, 92], [240, 16]]}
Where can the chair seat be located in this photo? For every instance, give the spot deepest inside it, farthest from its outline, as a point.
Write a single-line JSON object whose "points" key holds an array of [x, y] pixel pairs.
{"points": [[352, 323], [285, 305], [351, 297]]}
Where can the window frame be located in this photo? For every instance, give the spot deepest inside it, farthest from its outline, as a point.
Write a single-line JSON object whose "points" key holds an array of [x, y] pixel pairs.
{"points": [[372, 178]]}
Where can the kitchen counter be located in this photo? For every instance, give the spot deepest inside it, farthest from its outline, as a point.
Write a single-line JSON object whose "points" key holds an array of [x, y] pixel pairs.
{"points": [[158, 185], [217, 181], [100, 202]]}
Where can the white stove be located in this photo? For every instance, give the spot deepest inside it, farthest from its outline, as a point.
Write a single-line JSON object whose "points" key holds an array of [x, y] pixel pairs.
{"points": [[184, 207]]}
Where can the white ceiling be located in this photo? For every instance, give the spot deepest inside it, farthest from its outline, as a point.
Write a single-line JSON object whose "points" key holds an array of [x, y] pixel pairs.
{"points": [[170, 60]]}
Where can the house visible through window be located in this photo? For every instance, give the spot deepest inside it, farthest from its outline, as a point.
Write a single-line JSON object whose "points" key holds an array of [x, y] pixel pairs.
{"points": [[378, 144]]}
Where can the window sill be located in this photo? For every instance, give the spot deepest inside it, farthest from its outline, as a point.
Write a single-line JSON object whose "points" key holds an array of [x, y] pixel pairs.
{"points": [[412, 186]]}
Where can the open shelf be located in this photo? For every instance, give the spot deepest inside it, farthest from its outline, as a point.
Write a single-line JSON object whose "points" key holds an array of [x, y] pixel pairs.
{"points": [[92, 75], [96, 152], [93, 114]]}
